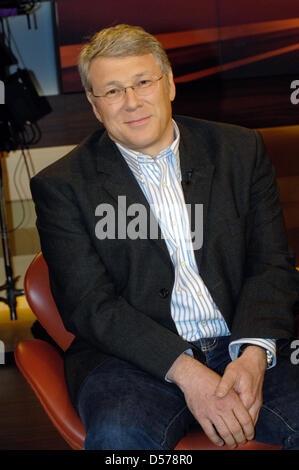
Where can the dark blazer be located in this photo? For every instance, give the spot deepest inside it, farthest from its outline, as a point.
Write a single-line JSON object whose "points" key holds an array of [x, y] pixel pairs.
{"points": [[115, 294]]}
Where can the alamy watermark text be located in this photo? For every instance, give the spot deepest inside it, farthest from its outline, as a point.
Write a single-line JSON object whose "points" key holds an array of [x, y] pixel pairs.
{"points": [[135, 222], [295, 94]]}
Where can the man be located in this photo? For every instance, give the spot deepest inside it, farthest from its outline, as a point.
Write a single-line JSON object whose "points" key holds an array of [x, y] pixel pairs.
{"points": [[168, 334]]}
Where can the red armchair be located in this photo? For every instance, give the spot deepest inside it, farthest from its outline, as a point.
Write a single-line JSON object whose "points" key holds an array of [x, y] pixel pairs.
{"points": [[42, 366]]}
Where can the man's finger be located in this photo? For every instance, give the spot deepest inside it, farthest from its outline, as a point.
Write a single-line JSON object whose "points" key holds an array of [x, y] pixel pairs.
{"points": [[245, 419], [230, 430], [225, 385], [254, 411], [211, 433]]}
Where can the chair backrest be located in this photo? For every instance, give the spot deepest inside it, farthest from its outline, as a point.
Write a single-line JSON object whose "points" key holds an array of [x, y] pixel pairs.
{"points": [[40, 300]]}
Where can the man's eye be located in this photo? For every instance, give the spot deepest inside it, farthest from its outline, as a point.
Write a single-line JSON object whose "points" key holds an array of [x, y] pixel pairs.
{"points": [[144, 83], [113, 91]]}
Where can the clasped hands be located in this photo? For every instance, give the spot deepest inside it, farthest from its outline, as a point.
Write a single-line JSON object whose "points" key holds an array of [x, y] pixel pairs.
{"points": [[226, 407]]}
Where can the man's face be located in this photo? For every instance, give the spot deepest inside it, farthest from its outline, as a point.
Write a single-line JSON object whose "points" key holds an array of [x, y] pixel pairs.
{"points": [[144, 123]]}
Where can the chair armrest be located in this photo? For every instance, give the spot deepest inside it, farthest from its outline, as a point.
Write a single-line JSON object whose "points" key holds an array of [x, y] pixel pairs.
{"points": [[197, 440], [43, 368]]}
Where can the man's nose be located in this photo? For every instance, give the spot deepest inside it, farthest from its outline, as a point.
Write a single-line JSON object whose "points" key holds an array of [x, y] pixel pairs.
{"points": [[132, 100]]}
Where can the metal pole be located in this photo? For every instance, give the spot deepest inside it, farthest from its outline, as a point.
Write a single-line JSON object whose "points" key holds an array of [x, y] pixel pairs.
{"points": [[11, 292]]}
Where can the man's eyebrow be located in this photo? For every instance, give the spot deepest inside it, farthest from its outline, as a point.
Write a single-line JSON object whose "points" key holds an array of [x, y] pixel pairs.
{"points": [[137, 75], [112, 82]]}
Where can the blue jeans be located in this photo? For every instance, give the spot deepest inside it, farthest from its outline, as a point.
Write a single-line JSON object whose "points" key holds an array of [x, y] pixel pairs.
{"points": [[124, 408]]}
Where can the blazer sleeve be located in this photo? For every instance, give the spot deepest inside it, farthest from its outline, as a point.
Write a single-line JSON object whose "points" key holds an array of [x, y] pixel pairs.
{"points": [[271, 283], [83, 291]]}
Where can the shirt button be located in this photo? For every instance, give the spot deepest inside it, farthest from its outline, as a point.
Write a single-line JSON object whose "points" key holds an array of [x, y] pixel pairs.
{"points": [[199, 293], [204, 323]]}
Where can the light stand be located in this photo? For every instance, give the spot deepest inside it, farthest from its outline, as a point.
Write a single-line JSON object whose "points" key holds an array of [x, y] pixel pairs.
{"points": [[6, 134], [22, 109], [9, 286]]}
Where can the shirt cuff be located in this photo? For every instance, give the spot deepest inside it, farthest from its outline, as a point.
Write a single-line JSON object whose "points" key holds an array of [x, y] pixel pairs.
{"points": [[268, 344]]}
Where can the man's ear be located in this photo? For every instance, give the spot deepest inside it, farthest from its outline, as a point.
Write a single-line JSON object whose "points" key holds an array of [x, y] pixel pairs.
{"points": [[171, 86], [94, 108]]}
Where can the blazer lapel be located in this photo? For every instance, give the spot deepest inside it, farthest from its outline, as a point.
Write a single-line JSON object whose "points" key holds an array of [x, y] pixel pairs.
{"points": [[196, 166], [118, 180]]}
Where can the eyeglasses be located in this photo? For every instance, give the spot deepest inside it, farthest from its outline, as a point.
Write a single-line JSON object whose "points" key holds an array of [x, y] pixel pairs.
{"points": [[143, 87]]}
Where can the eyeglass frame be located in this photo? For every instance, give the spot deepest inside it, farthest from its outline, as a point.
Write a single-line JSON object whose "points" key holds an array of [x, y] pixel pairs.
{"points": [[124, 89]]}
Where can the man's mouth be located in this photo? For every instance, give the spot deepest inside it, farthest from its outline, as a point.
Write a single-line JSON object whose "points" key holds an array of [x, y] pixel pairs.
{"points": [[137, 122]]}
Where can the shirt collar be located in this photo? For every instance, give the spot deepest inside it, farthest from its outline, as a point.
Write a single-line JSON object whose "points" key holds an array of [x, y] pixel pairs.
{"points": [[135, 159]]}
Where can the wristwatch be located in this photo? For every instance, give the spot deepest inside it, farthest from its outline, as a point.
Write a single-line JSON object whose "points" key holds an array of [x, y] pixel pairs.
{"points": [[269, 356]]}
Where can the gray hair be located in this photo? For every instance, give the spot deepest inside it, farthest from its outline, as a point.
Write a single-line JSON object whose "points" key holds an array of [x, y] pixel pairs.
{"points": [[120, 41]]}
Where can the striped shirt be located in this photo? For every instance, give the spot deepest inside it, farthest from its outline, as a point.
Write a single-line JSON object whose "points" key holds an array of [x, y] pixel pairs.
{"points": [[193, 310]]}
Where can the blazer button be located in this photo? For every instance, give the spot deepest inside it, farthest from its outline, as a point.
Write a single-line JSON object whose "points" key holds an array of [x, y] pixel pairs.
{"points": [[164, 293]]}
